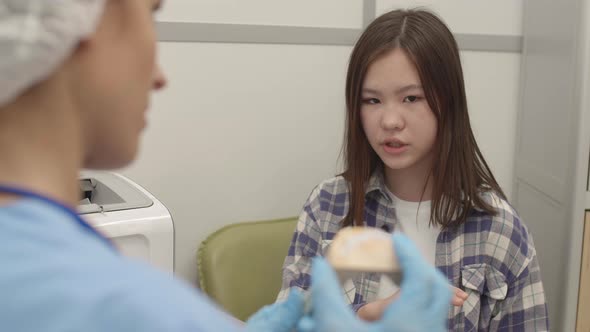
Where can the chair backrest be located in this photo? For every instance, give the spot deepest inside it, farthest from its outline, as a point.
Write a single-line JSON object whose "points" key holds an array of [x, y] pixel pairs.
{"points": [[240, 264]]}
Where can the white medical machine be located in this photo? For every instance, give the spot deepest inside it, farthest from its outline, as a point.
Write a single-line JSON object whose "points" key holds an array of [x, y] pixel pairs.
{"points": [[139, 225]]}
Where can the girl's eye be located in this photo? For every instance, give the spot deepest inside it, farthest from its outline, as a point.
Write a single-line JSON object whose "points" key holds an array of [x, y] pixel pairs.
{"points": [[411, 99], [371, 101]]}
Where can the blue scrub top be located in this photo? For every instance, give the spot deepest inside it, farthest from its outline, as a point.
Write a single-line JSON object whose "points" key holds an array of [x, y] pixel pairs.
{"points": [[55, 275]]}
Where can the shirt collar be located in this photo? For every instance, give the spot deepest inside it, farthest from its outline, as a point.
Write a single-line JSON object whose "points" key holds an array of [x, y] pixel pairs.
{"points": [[377, 184]]}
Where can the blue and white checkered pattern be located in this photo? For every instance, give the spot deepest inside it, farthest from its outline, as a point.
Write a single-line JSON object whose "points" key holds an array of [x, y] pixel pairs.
{"points": [[492, 258]]}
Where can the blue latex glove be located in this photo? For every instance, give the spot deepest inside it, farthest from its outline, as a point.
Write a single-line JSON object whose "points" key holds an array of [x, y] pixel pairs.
{"points": [[423, 304], [278, 317]]}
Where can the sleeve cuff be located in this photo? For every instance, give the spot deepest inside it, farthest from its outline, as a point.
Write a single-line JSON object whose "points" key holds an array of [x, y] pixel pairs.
{"points": [[356, 307]]}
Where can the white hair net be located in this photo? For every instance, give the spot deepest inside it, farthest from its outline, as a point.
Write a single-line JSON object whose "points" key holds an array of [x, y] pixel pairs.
{"points": [[36, 36]]}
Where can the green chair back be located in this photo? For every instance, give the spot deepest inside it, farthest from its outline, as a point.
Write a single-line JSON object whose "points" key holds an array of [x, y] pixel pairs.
{"points": [[240, 264]]}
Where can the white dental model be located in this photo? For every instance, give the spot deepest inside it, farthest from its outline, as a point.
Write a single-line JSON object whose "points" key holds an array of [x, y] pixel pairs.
{"points": [[358, 250], [363, 249]]}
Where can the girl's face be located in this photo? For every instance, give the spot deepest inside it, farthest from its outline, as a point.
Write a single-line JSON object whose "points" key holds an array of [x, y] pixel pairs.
{"points": [[396, 117], [116, 71]]}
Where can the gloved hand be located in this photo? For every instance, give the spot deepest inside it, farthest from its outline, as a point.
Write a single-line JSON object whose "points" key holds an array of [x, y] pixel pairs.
{"points": [[423, 303], [278, 317]]}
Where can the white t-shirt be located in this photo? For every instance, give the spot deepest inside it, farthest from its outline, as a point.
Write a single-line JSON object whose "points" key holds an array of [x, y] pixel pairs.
{"points": [[414, 219]]}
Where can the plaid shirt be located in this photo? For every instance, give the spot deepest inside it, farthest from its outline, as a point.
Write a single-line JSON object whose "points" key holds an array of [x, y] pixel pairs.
{"points": [[492, 258]]}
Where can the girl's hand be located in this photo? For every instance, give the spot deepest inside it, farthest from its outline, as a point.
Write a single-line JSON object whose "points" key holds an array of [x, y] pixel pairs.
{"points": [[374, 310]]}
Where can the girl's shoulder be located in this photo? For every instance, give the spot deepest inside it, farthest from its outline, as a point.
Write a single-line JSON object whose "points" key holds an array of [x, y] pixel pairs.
{"points": [[506, 226], [503, 208], [335, 186], [329, 199], [505, 219]]}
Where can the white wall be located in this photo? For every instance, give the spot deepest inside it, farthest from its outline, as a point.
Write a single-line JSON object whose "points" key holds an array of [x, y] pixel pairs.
{"points": [[498, 17], [245, 131], [325, 13]]}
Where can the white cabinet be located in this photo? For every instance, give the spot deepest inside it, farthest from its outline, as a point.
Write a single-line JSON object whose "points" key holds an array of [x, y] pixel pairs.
{"points": [[553, 130]]}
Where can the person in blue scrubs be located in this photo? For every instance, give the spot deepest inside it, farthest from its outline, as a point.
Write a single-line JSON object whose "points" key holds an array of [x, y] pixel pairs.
{"points": [[75, 80]]}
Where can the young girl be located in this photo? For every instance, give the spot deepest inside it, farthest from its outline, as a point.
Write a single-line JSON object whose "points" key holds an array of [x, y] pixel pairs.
{"points": [[412, 164]]}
